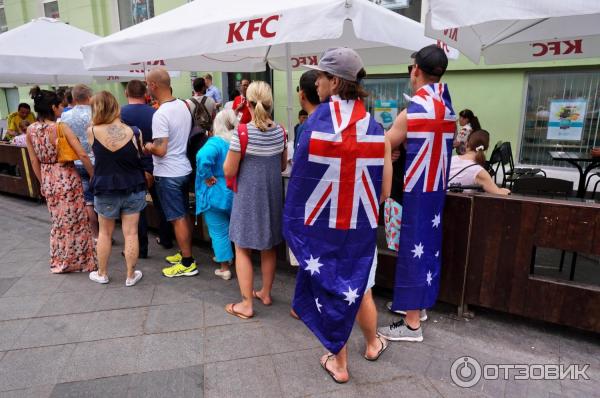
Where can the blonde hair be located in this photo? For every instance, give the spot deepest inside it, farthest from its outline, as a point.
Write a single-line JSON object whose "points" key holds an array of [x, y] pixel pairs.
{"points": [[260, 96], [225, 122], [105, 108]]}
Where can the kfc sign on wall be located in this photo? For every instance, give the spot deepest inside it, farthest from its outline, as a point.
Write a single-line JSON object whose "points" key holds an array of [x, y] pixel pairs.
{"points": [[563, 47], [247, 30]]}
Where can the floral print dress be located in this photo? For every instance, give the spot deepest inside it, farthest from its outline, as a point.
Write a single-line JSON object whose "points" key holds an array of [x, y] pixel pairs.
{"points": [[71, 243]]}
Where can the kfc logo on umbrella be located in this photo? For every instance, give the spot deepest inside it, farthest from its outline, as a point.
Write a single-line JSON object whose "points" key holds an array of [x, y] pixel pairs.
{"points": [[308, 60], [245, 30], [563, 47]]}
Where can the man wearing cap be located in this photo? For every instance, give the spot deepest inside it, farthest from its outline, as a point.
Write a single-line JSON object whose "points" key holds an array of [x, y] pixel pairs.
{"points": [[426, 129], [331, 212]]}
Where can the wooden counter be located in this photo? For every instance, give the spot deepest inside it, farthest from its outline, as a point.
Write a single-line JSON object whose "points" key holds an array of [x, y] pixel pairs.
{"points": [[23, 184], [487, 255]]}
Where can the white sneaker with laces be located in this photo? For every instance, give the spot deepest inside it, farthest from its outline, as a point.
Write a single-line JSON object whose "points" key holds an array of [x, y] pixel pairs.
{"points": [[137, 275], [226, 275], [97, 278]]}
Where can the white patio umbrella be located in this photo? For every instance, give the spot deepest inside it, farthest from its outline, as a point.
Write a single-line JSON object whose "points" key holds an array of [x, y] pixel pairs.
{"points": [[202, 35], [512, 31], [47, 51]]}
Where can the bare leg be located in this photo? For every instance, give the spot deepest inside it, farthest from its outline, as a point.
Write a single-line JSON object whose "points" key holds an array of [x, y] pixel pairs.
{"points": [[93, 217], [225, 266], [104, 245], [183, 234], [129, 224], [268, 262], [412, 319], [245, 274], [367, 320], [338, 365]]}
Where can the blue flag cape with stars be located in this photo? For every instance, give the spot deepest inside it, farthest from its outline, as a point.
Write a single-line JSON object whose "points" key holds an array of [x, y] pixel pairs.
{"points": [[330, 216]]}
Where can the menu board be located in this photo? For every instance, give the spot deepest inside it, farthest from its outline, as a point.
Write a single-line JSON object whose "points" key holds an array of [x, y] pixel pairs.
{"points": [[566, 118]]}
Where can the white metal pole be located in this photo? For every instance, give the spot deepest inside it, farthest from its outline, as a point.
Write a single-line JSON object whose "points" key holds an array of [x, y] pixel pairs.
{"points": [[288, 72]]}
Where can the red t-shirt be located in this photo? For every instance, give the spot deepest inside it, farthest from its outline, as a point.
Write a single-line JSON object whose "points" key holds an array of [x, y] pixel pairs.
{"points": [[245, 111]]}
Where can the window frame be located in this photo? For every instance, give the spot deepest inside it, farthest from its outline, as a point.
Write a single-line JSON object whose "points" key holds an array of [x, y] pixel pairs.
{"points": [[43, 7], [560, 166], [3, 9]]}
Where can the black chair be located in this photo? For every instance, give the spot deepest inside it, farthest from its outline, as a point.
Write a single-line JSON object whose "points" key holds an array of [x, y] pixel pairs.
{"points": [[587, 183], [492, 165], [511, 173], [546, 187]]}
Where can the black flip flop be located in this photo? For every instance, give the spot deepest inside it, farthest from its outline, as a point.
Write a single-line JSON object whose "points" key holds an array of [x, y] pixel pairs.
{"points": [[329, 372], [384, 347]]}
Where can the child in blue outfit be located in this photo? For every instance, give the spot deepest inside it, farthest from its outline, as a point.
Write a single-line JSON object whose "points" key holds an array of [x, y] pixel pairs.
{"points": [[213, 198]]}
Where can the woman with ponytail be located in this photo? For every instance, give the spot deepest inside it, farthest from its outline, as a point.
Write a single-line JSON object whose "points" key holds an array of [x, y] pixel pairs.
{"points": [[257, 155], [71, 244], [468, 122], [469, 169]]}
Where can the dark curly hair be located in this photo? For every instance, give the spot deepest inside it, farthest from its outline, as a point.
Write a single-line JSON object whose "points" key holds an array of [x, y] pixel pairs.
{"points": [[43, 100]]}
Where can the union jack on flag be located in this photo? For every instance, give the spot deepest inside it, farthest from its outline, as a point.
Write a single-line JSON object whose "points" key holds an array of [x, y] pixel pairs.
{"points": [[347, 182], [431, 127], [330, 216], [432, 124]]}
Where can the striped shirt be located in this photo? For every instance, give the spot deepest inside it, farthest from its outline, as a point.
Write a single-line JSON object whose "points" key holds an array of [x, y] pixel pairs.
{"points": [[260, 143]]}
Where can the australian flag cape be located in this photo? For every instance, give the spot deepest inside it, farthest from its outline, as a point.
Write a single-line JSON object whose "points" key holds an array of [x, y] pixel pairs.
{"points": [[431, 127], [330, 216]]}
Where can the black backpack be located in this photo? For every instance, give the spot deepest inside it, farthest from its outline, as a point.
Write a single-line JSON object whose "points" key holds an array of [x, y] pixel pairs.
{"points": [[201, 118], [201, 125]]}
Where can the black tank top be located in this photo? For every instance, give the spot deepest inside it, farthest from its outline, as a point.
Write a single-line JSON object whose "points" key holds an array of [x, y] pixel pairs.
{"points": [[118, 172]]}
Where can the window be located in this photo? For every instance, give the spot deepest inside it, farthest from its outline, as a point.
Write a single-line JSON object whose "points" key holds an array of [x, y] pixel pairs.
{"points": [[386, 98], [132, 12], [409, 8], [3, 25], [51, 9], [561, 113]]}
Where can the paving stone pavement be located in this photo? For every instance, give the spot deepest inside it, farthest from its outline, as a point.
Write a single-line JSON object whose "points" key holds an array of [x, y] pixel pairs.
{"points": [[64, 336]]}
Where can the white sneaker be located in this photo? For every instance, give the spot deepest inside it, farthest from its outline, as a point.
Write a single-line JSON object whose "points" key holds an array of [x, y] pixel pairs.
{"points": [[223, 274], [97, 278], [137, 275], [422, 315]]}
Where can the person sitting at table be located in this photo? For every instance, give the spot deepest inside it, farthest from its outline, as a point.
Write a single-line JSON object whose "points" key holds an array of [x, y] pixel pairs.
{"points": [[469, 169], [14, 120], [21, 139]]}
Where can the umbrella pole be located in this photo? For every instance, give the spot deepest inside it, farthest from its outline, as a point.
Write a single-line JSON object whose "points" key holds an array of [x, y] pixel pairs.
{"points": [[288, 72]]}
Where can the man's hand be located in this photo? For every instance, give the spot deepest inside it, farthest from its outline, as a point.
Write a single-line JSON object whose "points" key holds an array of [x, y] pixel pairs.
{"points": [[146, 149], [210, 181]]}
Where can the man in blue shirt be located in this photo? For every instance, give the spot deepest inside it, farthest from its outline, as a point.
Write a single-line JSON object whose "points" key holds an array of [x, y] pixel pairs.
{"points": [[78, 119], [213, 91], [138, 113]]}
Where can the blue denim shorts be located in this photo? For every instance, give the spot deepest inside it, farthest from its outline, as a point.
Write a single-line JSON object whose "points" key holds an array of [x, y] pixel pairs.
{"points": [[174, 196], [112, 206], [88, 195]]}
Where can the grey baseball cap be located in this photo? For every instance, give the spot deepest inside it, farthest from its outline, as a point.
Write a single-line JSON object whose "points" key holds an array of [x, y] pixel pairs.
{"points": [[342, 62]]}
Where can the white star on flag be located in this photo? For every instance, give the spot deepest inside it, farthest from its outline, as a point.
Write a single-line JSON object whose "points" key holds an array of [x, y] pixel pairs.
{"points": [[313, 265], [429, 278], [418, 250], [437, 254], [318, 305], [437, 219], [351, 295]]}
